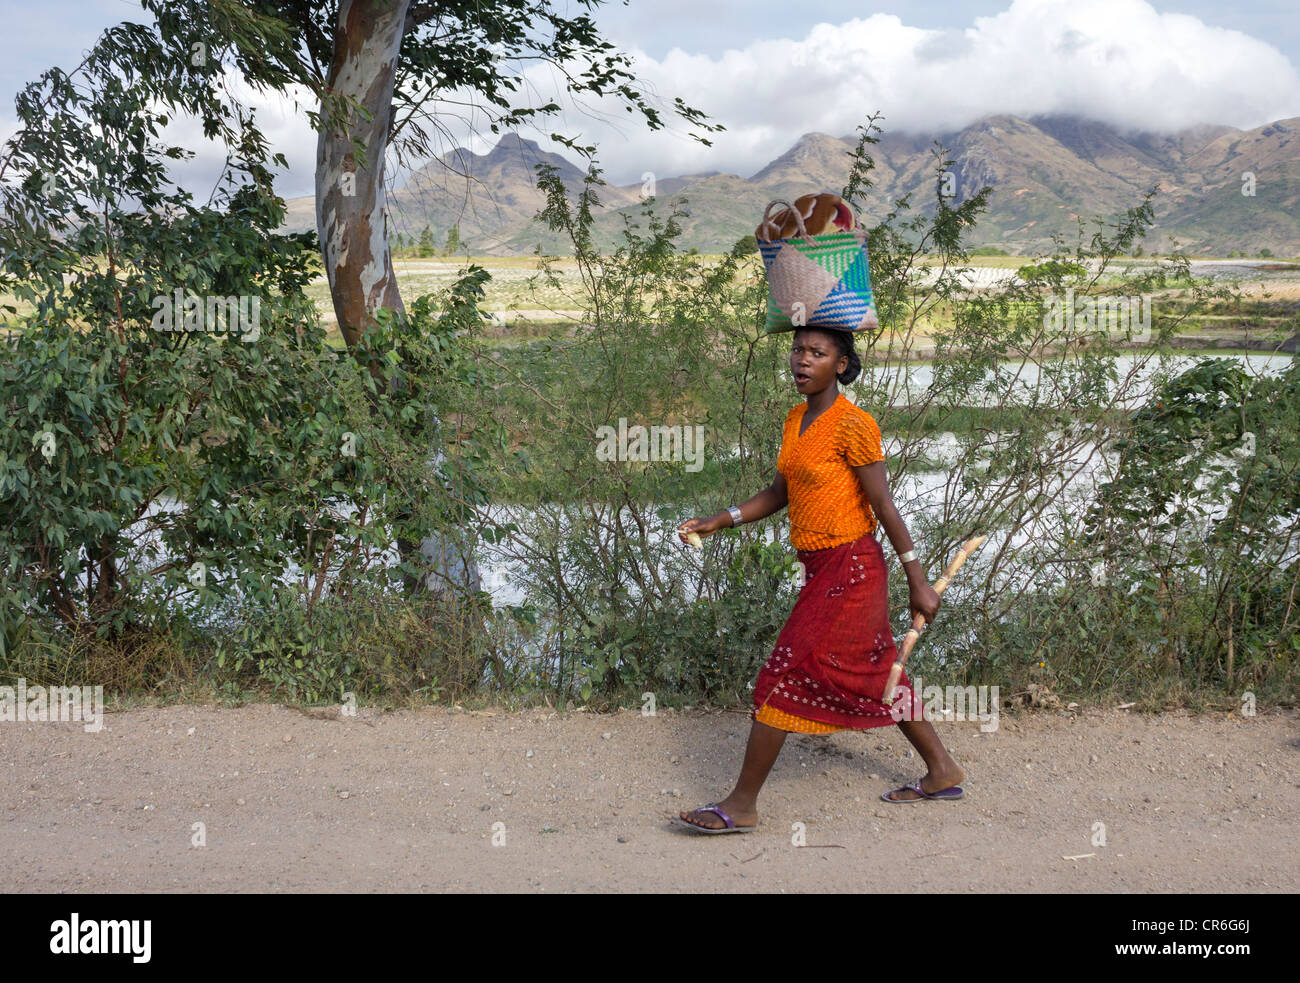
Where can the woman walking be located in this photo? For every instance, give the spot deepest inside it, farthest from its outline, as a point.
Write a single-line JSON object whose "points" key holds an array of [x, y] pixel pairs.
{"points": [[832, 658]]}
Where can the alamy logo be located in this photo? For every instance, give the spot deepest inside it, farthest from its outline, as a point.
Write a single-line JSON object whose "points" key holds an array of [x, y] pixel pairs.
{"points": [[675, 443], [184, 311], [97, 936], [1128, 317], [66, 703], [947, 703]]}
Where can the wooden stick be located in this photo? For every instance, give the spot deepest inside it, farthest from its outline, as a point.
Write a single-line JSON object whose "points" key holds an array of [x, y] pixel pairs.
{"points": [[918, 622]]}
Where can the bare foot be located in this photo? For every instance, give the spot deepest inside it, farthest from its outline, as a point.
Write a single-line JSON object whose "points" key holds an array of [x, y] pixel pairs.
{"points": [[931, 783], [741, 814]]}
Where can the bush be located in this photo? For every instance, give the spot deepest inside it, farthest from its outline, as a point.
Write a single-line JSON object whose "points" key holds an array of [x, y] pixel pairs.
{"points": [[622, 608]]}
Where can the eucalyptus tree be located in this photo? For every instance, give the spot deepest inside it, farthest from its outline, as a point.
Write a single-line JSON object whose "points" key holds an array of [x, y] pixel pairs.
{"points": [[384, 74]]}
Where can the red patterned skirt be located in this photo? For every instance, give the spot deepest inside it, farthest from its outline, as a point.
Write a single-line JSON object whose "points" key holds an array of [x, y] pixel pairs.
{"points": [[833, 656]]}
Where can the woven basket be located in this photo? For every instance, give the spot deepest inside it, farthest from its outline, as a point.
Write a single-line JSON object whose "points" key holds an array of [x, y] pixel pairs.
{"points": [[818, 281]]}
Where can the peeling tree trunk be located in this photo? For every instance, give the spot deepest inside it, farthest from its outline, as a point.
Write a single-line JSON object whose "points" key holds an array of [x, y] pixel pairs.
{"points": [[350, 209], [351, 213]]}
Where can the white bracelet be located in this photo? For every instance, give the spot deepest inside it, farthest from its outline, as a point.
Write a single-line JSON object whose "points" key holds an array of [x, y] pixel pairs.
{"points": [[736, 517], [907, 557]]}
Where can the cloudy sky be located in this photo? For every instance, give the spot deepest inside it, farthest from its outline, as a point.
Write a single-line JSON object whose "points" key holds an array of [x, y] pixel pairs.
{"points": [[771, 70]]}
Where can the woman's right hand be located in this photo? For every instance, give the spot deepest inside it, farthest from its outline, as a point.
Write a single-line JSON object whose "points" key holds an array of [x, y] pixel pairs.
{"points": [[701, 527]]}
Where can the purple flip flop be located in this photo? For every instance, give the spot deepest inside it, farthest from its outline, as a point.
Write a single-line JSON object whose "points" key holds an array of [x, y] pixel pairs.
{"points": [[731, 827], [955, 792]]}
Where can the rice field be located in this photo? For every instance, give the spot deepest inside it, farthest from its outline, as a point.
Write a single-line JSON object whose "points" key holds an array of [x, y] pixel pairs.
{"points": [[519, 301]]}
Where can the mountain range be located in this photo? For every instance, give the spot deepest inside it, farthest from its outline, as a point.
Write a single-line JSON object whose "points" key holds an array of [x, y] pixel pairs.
{"points": [[1220, 189]]}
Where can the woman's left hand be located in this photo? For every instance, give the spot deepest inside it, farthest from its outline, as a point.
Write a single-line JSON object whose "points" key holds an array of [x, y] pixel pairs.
{"points": [[925, 601]]}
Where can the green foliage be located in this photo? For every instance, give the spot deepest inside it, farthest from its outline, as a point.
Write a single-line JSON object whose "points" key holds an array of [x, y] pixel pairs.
{"points": [[1052, 272], [707, 649], [1207, 494], [266, 462], [373, 644], [111, 419], [197, 477], [152, 479]]}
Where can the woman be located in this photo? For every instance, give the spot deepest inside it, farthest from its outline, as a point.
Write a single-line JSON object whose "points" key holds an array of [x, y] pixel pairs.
{"points": [[832, 658]]}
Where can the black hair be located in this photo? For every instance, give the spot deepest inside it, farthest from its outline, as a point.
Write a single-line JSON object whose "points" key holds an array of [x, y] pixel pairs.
{"points": [[844, 342]]}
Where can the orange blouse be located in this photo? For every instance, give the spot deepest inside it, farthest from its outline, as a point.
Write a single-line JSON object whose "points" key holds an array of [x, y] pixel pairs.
{"points": [[828, 506]]}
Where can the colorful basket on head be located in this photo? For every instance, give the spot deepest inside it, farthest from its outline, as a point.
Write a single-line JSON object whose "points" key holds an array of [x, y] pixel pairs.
{"points": [[821, 281]]}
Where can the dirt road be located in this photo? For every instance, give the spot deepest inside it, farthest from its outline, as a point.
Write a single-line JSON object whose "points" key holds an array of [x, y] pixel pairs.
{"points": [[408, 801]]}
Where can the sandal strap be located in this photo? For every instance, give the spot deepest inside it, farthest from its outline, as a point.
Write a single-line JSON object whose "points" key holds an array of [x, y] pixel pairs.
{"points": [[721, 815], [914, 788]]}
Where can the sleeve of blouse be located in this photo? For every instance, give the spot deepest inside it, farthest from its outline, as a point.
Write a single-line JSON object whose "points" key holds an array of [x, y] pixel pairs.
{"points": [[861, 439]]}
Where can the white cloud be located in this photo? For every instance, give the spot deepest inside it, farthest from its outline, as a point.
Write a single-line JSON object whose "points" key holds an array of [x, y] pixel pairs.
{"points": [[286, 130], [1119, 61], [284, 126]]}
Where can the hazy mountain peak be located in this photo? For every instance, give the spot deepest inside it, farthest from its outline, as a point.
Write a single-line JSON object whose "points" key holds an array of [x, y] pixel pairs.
{"points": [[512, 143], [816, 137], [1049, 173]]}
